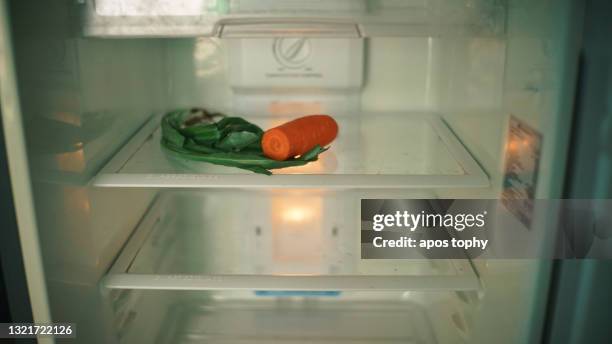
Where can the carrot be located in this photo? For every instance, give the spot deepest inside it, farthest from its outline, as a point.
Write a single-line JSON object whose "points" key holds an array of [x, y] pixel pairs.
{"points": [[298, 136]]}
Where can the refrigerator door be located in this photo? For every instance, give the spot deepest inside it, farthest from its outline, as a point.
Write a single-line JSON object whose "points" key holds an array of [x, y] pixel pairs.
{"points": [[580, 296], [14, 299], [20, 189]]}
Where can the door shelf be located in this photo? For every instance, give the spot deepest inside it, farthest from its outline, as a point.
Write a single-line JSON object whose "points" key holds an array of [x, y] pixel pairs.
{"points": [[372, 151], [172, 250]]}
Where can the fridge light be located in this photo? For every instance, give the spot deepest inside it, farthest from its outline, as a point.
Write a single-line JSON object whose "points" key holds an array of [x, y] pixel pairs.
{"points": [[296, 214], [296, 232]]}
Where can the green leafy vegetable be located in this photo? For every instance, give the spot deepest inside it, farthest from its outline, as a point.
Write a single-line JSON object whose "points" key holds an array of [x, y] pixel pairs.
{"points": [[236, 141], [197, 135]]}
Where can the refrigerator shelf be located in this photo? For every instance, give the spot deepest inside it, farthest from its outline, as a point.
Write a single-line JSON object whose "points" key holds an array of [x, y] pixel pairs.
{"points": [[176, 247], [382, 151], [195, 321], [285, 18]]}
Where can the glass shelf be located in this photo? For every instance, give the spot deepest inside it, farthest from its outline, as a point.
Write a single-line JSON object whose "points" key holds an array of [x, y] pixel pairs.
{"points": [[266, 322], [314, 18], [392, 151], [268, 241]]}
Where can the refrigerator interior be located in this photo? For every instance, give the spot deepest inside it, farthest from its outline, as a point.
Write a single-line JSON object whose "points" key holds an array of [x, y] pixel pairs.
{"points": [[136, 246]]}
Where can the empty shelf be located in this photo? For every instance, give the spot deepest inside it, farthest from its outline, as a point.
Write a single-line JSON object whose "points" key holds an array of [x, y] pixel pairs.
{"points": [[281, 18], [372, 151], [267, 322], [234, 240]]}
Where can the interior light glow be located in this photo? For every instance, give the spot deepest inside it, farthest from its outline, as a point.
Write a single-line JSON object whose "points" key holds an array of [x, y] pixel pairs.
{"points": [[296, 214]]}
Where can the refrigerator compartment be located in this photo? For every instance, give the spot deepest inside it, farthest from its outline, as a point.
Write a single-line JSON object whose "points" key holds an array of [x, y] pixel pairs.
{"points": [[253, 18], [223, 321], [268, 241], [403, 150]]}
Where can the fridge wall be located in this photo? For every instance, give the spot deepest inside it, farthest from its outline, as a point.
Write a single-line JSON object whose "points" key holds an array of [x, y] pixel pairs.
{"points": [[83, 97]]}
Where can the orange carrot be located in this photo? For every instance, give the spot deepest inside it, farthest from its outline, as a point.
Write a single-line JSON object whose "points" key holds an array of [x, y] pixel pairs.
{"points": [[298, 136]]}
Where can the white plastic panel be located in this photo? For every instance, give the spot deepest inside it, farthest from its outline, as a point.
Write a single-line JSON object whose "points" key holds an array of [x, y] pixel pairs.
{"points": [[397, 74], [371, 151], [291, 241], [303, 64]]}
